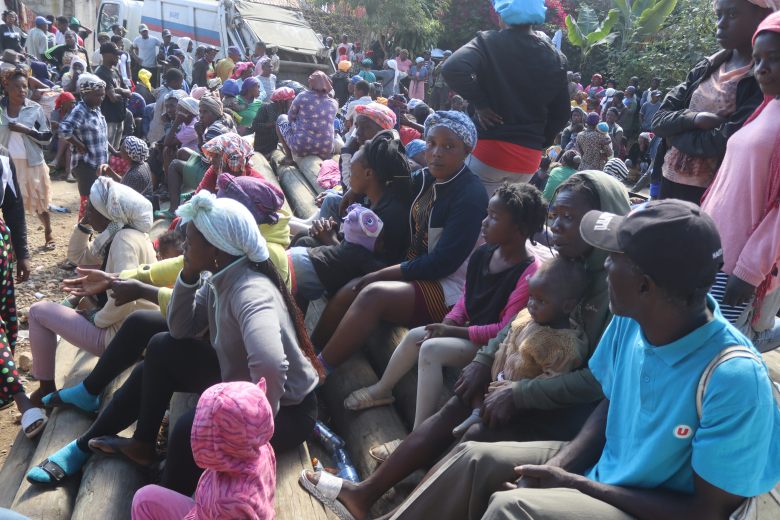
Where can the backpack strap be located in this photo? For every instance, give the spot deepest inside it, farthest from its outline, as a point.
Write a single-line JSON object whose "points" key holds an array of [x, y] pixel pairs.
{"points": [[735, 351]]}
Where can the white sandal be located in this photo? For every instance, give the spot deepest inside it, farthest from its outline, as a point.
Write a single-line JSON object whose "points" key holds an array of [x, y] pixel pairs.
{"points": [[29, 418], [326, 491], [360, 399]]}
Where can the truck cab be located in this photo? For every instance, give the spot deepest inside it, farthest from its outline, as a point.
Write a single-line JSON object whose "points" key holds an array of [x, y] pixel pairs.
{"points": [[222, 23]]}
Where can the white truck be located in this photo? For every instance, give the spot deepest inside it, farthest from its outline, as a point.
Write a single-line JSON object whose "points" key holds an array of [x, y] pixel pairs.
{"points": [[222, 23]]}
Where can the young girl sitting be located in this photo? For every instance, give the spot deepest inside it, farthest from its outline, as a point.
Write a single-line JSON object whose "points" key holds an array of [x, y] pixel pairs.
{"points": [[233, 424], [327, 268], [496, 290], [543, 341], [139, 176]]}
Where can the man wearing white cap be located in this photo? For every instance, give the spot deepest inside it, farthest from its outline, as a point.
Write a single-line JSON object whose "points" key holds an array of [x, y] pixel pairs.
{"points": [[144, 52]]}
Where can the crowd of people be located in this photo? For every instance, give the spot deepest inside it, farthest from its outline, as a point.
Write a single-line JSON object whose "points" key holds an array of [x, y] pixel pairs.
{"points": [[608, 345]]}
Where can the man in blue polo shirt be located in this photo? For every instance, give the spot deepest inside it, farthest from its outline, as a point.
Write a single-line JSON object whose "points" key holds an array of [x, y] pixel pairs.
{"points": [[645, 452]]}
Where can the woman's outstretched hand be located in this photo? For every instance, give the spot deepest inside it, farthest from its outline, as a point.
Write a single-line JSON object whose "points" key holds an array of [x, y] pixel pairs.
{"points": [[89, 282]]}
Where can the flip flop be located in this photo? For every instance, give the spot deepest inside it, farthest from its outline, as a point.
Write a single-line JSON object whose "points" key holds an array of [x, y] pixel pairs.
{"points": [[55, 401], [112, 442], [29, 418], [360, 399], [382, 452], [326, 491], [54, 471], [51, 245]]}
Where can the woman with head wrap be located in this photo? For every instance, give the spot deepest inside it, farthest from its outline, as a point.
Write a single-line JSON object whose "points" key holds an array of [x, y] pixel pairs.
{"points": [[139, 175], [69, 80], [264, 71], [594, 147], [419, 74], [186, 46], [243, 70], [340, 80], [144, 86], [264, 124], [120, 218], [254, 331], [247, 104], [307, 129], [446, 217], [227, 153], [517, 119], [697, 117], [62, 107], [24, 130], [415, 151], [390, 78], [744, 202]]}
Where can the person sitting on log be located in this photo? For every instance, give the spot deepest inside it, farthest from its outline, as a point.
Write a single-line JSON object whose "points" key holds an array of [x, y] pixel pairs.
{"points": [[497, 288], [238, 324], [264, 124], [446, 218]]}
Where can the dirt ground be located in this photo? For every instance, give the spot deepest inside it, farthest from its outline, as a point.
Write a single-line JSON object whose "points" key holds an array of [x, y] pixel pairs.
{"points": [[44, 284]]}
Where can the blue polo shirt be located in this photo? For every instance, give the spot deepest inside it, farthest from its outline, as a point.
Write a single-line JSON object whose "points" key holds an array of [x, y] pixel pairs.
{"points": [[654, 437]]}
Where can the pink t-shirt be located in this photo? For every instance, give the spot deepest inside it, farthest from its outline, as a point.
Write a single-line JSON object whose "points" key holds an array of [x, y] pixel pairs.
{"points": [[403, 65], [737, 201]]}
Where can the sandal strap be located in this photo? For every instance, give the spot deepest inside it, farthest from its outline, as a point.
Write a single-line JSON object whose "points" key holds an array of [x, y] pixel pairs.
{"points": [[53, 469], [31, 416], [329, 485]]}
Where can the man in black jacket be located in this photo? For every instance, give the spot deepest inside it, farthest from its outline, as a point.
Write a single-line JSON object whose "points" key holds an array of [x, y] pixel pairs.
{"points": [[516, 80]]}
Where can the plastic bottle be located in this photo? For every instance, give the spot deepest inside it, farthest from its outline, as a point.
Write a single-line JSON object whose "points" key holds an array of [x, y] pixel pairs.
{"points": [[347, 470], [329, 440]]}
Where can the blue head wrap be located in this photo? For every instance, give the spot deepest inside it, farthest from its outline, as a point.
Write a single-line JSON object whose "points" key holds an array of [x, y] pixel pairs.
{"points": [[520, 12], [415, 147], [458, 122], [229, 88], [248, 83]]}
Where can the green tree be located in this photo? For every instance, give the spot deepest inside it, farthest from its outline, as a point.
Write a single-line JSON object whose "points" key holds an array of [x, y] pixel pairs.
{"points": [[586, 33]]}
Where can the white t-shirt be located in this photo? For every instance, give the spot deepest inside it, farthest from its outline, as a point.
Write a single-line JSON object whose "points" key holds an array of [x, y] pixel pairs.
{"points": [[123, 67], [16, 143], [147, 50]]}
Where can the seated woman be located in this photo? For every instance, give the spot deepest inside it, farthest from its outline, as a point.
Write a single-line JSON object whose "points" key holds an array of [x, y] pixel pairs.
{"points": [[264, 123], [554, 407], [248, 103], [227, 153], [122, 217], [139, 176], [446, 218], [307, 129], [253, 330], [496, 290], [154, 282]]}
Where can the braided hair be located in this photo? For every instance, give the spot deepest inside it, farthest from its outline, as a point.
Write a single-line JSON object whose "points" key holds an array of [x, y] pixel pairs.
{"points": [[304, 342], [386, 156], [526, 205]]}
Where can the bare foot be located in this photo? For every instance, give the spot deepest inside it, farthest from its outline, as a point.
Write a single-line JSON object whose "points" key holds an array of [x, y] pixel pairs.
{"points": [[36, 398], [141, 453], [348, 496]]}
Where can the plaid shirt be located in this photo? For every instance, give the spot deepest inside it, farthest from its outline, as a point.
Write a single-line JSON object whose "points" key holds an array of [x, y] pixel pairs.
{"points": [[88, 126]]}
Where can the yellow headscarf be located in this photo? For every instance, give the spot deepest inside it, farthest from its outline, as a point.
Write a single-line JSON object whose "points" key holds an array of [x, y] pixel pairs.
{"points": [[144, 76]]}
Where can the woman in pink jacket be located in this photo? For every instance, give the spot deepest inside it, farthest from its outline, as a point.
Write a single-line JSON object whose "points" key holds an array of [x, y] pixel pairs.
{"points": [[743, 200]]}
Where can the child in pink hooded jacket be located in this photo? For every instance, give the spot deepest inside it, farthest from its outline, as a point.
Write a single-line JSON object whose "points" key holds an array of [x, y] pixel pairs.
{"points": [[233, 424]]}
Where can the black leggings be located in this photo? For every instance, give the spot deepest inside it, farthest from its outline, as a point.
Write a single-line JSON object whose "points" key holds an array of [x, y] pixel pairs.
{"points": [[182, 365], [675, 190], [125, 349]]}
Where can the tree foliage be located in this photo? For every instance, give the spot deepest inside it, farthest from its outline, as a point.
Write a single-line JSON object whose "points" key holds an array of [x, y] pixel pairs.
{"points": [[586, 33]]}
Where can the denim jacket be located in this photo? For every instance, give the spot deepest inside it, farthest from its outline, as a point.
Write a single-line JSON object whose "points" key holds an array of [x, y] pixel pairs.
{"points": [[31, 115]]}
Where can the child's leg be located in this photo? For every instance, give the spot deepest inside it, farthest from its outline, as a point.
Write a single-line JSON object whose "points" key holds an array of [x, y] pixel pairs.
{"points": [[402, 361], [158, 503], [435, 354], [474, 418]]}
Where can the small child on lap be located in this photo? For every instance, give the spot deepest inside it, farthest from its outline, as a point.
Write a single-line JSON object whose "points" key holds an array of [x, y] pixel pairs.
{"points": [[543, 340]]}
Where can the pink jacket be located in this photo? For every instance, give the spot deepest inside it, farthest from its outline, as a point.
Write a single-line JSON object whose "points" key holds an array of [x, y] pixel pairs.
{"points": [[233, 425], [518, 299]]}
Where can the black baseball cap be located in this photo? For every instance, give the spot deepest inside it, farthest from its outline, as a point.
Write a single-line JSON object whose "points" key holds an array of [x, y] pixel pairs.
{"points": [[109, 48], [672, 241]]}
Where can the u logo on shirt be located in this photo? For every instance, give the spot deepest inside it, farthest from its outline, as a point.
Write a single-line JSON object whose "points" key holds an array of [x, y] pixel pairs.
{"points": [[683, 431]]}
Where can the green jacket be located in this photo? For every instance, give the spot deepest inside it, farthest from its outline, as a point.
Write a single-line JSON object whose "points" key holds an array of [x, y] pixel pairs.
{"points": [[593, 314]]}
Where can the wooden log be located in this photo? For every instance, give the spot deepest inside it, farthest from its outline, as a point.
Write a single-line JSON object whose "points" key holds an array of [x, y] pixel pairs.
{"points": [[65, 425], [297, 191], [309, 168], [364, 429], [109, 483], [21, 451], [291, 501]]}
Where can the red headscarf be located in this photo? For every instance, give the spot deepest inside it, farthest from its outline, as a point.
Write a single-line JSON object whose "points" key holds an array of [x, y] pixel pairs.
{"points": [[62, 98]]}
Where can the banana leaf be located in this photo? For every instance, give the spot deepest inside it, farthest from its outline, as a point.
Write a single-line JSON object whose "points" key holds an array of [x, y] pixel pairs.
{"points": [[651, 19], [574, 33], [604, 30]]}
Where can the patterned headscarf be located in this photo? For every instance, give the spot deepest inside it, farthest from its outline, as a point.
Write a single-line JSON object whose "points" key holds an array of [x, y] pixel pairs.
{"points": [[320, 82], [414, 147], [89, 83], [136, 149], [136, 104], [379, 114], [283, 94], [190, 104], [235, 151], [212, 103], [457, 122]]}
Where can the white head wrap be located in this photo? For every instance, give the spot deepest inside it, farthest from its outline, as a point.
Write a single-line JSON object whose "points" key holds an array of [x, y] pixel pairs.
{"points": [[88, 82], [226, 224], [398, 75], [122, 204], [190, 105]]}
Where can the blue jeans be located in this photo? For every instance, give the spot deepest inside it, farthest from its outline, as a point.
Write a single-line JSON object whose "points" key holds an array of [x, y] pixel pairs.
{"points": [[307, 283], [330, 206]]}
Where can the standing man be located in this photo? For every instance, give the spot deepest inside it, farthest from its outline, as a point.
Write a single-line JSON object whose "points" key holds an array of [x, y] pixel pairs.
{"points": [[82, 32], [38, 40], [655, 84], [144, 53], [115, 102], [648, 110], [202, 67], [167, 49], [61, 23], [120, 31]]}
